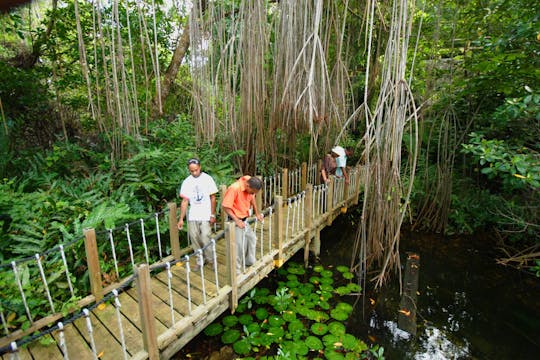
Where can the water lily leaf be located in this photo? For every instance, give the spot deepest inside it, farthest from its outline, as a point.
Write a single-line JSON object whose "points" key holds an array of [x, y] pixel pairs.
{"points": [[318, 268], [326, 287], [333, 355], [319, 328], [275, 320], [326, 273], [343, 290], [324, 305], [275, 332], [327, 281], [336, 328], [296, 326], [315, 280], [213, 329], [349, 342], [242, 347], [339, 315], [230, 321], [289, 315], [346, 307], [348, 275], [354, 287], [317, 315], [330, 341], [261, 313], [292, 277], [314, 343], [342, 268], [245, 319], [293, 284], [230, 336]]}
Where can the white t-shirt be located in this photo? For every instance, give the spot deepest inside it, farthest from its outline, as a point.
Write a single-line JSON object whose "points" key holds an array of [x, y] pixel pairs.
{"points": [[198, 190], [341, 162]]}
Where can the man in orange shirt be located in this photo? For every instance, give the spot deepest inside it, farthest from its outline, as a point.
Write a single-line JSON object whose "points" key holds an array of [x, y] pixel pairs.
{"points": [[237, 202]]}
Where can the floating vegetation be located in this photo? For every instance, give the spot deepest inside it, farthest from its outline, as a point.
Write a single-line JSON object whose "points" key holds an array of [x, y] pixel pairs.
{"points": [[303, 319]]}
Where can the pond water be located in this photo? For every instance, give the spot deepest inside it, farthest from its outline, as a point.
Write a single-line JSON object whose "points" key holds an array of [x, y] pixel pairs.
{"points": [[468, 307]]}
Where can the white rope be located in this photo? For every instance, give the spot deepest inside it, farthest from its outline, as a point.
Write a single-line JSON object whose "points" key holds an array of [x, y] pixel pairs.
{"points": [[214, 256], [303, 209], [169, 285], [62, 340], [244, 247], [130, 247], [188, 270], [261, 236], [113, 247], [200, 261], [90, 330], [158, 235], [117, 307], [67, 270], [44, 280], [14, 351], [144, 241], [17, 277], [287, 221]]}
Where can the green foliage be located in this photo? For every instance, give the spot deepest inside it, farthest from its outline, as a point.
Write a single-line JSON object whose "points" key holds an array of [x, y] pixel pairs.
{"points": [[291, 324]]}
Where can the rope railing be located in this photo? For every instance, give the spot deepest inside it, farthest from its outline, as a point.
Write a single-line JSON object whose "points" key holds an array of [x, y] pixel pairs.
{"points": [[123, 248]]}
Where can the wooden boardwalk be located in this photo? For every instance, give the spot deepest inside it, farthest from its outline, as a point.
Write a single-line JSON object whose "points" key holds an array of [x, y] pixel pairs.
{"points": [[157, 318]]}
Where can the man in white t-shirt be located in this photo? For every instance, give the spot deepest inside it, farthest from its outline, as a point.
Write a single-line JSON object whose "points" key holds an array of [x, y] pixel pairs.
{"points": [[198, 191]]}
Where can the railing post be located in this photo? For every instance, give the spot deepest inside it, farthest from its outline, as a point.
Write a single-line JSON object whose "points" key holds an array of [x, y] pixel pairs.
{"points": [[258, 196], [144, 292], [90, 246], [284, 183], [330, 201], [222, 190], [303, 181], [173, 231], [308, 218], [230, 229], [278, 226]]}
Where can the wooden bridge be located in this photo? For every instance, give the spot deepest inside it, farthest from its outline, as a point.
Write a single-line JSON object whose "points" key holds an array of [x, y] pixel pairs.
{"points": [[145, 301]]}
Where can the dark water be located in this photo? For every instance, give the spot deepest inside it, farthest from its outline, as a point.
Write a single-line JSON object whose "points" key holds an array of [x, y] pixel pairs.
{"points": [[468, 307]]}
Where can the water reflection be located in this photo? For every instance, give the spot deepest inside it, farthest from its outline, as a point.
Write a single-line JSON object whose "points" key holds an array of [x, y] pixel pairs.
{"points": [[468, 307]]}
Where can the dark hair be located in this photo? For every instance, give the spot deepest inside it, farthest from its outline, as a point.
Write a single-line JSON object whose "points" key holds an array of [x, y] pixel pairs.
{"points": [[255, 183], [193, 161]]}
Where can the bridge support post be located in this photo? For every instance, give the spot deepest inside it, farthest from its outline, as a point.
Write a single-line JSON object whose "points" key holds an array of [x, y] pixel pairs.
{"points": [[308, 217], [285, 183], [231, 262], [222, 190], [278, 226], [144, 292], [330, 202], [92, 259], [173, 231]]}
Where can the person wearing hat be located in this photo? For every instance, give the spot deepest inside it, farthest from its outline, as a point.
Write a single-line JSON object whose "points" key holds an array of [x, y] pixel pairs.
{"points": [[198, 191], [329, 165], [341, 162]]}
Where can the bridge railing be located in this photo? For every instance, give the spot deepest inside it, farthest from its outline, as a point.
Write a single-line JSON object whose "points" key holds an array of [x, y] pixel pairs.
{"points": [[112, 256]]}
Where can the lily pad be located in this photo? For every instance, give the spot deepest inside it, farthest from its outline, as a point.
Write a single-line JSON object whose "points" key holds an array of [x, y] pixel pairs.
{"points": [[336, 328], [348, 275], [213, 329], [354, 287], [275, 332], [314, 343], [326, 273], [343, 290], [315, 280], [230, 321], [261, 313], [253, 327], [242, 347], [289, 315], [318, 268], [319, 328], [296, 325], [344, 307], [230, 336], [342, 268], [245, 319], [339, 315], [327, 281]]}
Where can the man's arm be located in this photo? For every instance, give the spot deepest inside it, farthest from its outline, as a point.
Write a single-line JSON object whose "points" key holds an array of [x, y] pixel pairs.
{"points": [[258, 215], [212, 208], [183, 210], [231, 214]]}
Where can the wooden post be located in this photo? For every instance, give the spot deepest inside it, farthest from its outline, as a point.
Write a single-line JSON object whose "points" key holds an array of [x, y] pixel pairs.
{"points": [[285, 183], [148, 322], [407, 311], [308, 217], [278, 229], [258, 196], [222, 190], [303, 180], [90, 246], [230, 229], [316, 243], [330, 201], [173, 231]]}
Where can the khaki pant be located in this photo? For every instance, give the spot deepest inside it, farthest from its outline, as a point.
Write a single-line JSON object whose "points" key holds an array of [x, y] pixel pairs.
{"points": [[246, 244], [199, 233]]}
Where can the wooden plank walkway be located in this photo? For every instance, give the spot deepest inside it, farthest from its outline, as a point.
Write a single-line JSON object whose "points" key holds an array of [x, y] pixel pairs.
{"points": [[207, 300]]}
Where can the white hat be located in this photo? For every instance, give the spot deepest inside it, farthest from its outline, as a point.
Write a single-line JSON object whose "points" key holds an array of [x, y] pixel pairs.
{"points": [[338, 150]]}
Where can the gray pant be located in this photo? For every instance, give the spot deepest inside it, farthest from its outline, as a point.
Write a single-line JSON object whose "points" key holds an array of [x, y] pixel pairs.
{"points": [[246, 244], [199, 233]]}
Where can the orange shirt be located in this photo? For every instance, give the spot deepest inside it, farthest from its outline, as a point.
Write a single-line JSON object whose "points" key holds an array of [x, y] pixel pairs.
{"points": [[237, 198]]}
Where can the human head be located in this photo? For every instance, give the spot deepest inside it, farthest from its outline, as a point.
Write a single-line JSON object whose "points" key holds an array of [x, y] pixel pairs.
{"points": [[254, 184], [338, 151], [194, 167]]}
